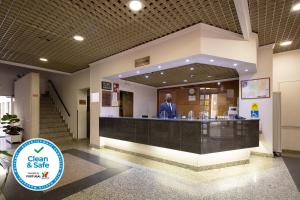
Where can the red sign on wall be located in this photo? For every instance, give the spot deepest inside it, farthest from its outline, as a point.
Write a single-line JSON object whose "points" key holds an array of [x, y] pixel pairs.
{"points": [[116, 87]]}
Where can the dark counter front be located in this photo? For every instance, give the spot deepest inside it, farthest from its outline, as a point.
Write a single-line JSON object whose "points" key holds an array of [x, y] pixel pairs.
{"points": [[195, 136]]}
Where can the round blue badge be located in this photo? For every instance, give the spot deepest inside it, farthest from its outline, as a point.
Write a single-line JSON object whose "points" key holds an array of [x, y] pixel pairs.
{"points": [[37, 164]]}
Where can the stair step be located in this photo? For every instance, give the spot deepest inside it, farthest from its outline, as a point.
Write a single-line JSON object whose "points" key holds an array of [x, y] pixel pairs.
{"points": [[55, 135], [53, 125], [54, 130]]}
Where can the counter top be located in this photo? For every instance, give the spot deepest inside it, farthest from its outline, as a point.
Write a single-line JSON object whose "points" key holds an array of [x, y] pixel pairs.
{"points": [[187, 120]]}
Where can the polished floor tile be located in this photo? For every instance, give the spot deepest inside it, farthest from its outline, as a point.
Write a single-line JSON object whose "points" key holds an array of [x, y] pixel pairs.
{"points": [[114, 175]]}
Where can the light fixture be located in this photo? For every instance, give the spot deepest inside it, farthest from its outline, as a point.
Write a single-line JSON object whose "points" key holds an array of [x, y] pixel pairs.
{"points": [[185, 81], [120, 75], [162, 73], [146, 76], [135, 5], [44, 59], [159, 67], [209, 76], [296, 7], [246, 70], [219, 83], [286, 43], [192, 68], [78, 38], [164, 82], [235, 64], [187, 60], [211, 60], [138, 72]]}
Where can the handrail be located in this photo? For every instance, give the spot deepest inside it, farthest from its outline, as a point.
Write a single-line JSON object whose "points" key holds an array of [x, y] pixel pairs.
{"points": [[60, 99]]}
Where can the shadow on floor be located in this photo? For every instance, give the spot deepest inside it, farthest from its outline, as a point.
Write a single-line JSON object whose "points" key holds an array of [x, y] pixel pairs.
{"points": [[293, 165]]}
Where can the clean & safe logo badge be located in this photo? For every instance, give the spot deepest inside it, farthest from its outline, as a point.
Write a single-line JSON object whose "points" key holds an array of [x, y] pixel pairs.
{"points": [[38, 164]]}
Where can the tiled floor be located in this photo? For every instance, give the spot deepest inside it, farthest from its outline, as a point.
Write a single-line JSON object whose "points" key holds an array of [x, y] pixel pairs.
{"points": [[139, 178]]}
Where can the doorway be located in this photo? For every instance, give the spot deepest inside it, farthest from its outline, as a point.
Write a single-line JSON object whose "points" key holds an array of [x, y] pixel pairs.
{"points": [[126, 104]]}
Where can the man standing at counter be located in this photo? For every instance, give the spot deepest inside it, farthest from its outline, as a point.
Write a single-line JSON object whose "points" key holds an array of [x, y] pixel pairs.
{"points": [[167, 109]]}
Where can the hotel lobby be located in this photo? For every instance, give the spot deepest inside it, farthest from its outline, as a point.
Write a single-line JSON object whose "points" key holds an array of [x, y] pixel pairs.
{"points": [[150, 99]]}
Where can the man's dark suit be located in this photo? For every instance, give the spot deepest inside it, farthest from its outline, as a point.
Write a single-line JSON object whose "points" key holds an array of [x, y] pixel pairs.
{"points": [[169, 108]]}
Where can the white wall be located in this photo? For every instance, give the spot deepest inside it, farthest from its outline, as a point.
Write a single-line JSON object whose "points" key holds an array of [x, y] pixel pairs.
{"points": [[264, 70], [68, 87], [27, 104], [286, 76], [144, 100]]}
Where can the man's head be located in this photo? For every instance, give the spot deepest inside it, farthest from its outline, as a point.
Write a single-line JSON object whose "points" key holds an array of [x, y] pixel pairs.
{"points": [[168, 98]]}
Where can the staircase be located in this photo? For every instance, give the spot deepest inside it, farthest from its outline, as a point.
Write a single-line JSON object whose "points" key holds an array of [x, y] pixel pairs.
{"points": [[52, 125]]}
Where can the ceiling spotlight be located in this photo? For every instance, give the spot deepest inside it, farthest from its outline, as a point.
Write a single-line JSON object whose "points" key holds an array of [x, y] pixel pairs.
{"points": [[185, 81], [209, 76], [138, 72], [246, 70], [159, 67], [235, 64], [78, 38], [286, 43], [296, 7], [192, 68], [187, 60], [120, 75], [146, 76], [211, 60], [135, 5], [164, 82], [162, 73], [219, 83], [44, 59]]}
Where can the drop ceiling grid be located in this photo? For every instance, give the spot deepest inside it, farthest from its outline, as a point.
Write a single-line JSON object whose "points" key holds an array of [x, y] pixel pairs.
{"points": [[274, 22], [45, 28]]}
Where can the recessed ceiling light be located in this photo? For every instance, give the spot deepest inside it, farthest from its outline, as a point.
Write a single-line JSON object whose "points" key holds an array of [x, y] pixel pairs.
{"points": [[185, 81], [146, 76], [162, 73], [219, 83], [135, 5], [138, 72], [159, 67], [296, 7], [246, 70], [78, 38], [164, 82], [209, 76], [211, 60], [192, 68], [44, 59], [120, 75], [187, 60], [235, 64], [286, 43]]}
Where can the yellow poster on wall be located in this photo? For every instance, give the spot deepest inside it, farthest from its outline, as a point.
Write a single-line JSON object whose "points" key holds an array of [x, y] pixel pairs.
{"points": [[254, 107]]}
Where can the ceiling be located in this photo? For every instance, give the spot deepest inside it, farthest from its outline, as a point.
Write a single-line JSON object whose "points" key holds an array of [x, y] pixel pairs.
{"points": [[30, 29], [176, 76], [274, 22]]}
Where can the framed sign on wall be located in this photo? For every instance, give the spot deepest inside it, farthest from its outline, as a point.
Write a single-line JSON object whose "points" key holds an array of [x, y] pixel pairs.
{"points": [[106, 85], [255, 88]]}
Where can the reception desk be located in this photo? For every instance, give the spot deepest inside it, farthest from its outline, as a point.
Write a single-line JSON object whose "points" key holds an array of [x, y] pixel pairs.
{"points": [[195, 136]]}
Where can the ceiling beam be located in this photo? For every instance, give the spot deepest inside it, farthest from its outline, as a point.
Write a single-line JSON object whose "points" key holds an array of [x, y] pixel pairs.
{"points": [[242, 10], [33, 67]]}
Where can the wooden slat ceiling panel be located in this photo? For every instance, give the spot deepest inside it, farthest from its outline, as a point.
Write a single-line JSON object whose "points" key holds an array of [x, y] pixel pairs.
{"points": [[274, 22], [30, 29], [176, 76]]}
